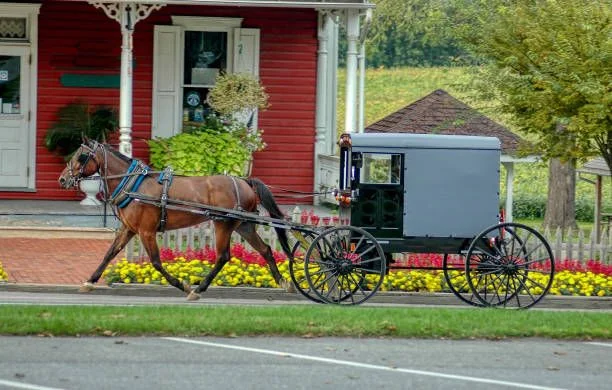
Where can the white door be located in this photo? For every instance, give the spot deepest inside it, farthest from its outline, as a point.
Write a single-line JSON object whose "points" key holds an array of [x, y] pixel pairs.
{"points": [[14, 116]]}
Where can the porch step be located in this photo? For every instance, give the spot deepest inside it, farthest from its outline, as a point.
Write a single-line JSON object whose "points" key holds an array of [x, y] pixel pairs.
{"points": [[54, 214]]}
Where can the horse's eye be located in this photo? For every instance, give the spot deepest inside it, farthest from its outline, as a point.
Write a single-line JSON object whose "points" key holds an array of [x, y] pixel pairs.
{"points": [[83, 158]]}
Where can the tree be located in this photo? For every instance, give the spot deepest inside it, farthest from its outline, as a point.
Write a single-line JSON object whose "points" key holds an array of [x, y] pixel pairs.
{"points": [[412, 33], [549, 64]]}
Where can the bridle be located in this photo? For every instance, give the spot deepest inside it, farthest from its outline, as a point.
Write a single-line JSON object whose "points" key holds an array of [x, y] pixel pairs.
{"points": [[90, 154]]}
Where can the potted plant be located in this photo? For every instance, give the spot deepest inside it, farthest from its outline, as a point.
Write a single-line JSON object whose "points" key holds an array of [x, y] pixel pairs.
{"points": [[75, 121]]}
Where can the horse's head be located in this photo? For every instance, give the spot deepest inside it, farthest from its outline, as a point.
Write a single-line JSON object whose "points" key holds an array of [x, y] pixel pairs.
{"points": [[84, 162]]}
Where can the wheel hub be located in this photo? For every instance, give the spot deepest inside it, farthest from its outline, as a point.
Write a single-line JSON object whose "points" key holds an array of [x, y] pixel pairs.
{"points": [[345, 267]]}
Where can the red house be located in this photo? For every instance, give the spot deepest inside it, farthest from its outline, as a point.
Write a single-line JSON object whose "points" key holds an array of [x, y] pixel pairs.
{"points": [[142, 57]]}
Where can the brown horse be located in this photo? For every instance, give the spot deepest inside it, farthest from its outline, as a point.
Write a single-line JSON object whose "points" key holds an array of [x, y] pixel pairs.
{"points": [[121, 175]]}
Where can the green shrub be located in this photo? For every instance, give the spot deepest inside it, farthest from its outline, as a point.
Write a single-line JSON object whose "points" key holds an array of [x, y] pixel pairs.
{"points": [[201, 152]]}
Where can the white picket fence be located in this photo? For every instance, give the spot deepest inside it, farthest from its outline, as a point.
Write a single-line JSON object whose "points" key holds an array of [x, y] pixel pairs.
{"points": [[574, 245]]}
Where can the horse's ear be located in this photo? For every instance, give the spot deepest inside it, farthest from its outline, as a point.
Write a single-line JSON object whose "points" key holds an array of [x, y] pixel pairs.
{"points": [[85, 139]]}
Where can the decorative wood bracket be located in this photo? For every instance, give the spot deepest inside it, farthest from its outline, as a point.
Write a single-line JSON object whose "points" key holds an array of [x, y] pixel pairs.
{"points": [[132, 12]]}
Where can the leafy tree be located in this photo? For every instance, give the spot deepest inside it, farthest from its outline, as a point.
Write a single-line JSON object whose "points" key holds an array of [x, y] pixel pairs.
{"points": [[413, 33], [550, 67]]}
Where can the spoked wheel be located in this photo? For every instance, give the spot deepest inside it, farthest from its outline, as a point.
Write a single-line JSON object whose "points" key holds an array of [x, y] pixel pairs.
{"points": [[344, 265], [296, 267], [453, 266], [510, 265]]}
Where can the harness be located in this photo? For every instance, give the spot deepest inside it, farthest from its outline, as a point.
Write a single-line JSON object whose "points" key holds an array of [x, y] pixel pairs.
{"points": [[165, 179], [130, 183]]}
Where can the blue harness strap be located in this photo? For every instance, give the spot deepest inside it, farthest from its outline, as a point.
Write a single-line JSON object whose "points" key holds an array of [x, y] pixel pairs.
{"points": [[134, 177]]}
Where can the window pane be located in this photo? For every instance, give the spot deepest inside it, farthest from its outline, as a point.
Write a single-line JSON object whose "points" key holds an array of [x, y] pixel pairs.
{"points": [[9, 84], [205, 55], [381, 168], [195, 108]]}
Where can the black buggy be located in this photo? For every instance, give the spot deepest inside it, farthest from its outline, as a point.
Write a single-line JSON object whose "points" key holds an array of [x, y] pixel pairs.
{"points": [[422, 194]]}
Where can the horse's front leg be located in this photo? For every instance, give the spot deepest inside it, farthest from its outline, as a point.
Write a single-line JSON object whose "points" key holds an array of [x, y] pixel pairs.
{"points": [[149, 242], [121, 239], [223, 234]]}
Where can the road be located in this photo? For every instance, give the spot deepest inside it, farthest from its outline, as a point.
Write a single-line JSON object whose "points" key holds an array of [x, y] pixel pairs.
{"points": [[297, 363]]}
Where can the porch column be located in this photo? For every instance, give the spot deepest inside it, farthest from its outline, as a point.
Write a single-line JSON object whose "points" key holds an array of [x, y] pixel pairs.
{"points": [[352, 32], [509, 166], [321, 141], [324, 29], [127, 14], [362, 70]]}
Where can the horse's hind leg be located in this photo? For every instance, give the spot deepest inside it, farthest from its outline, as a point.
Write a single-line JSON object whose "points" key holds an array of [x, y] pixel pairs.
{"points": [[150, 244], [248, 232], [121, 239], [223, 234]]}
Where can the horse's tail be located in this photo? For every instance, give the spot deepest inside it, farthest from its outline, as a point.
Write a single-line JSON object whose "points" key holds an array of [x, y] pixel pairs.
{"points": [[269, 203]]}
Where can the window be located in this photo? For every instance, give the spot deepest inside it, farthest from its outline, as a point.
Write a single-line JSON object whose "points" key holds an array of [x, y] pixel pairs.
{"points": [[10, 84], [13, 29], [381, 168], [207, 51], [187, 57]]}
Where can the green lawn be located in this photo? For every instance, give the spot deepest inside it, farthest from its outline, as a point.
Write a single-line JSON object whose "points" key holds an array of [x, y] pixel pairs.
{"points": [[300, 320]]}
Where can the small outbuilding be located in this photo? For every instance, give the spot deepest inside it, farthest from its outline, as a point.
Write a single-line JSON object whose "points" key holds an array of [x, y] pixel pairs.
{"points": [[599, 168]]}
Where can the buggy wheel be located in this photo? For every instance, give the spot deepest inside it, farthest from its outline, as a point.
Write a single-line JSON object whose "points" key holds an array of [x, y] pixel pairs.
{"points": [[510, 265], [345, 265], [456, 281], [296, 269]]}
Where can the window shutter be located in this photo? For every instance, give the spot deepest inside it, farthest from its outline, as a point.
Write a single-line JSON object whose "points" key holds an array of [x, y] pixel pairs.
{"points": [[166, 117], [246, 57], [246, 51]]}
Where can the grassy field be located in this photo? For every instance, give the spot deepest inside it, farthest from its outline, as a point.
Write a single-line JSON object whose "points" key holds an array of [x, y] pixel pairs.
{"points": [[388, 90], [305, 321]]}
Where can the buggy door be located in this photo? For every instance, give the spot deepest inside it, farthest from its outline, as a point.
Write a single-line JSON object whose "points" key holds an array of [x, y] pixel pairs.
{"points": [[378, 206]]}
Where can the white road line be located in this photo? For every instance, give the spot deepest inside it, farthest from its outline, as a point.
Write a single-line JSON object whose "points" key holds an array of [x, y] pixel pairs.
{"points": [[600, 344], [363, 365], [21, 385]]}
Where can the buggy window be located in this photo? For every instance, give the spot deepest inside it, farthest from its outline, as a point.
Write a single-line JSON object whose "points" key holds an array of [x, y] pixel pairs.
{"points": [[379, 168]]}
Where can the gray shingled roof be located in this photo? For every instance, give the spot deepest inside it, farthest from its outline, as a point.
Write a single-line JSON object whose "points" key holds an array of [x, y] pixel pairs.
{"points": [[596, 166], [441, 113]]}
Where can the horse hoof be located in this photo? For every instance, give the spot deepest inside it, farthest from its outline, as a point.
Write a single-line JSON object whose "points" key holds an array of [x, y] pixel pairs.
{"points": [[193, 296], [288, 286], [186, 287], [86, 287]]}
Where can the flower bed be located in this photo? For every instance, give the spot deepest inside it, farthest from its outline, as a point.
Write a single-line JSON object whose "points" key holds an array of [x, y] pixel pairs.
{"points": [[248, 269], [3, 274]]}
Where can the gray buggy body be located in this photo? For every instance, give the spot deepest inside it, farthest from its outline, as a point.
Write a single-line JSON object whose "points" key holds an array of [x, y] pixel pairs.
{"points": [[447, 190]]}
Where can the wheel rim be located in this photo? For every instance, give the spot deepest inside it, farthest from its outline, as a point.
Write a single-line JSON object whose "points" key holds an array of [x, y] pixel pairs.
{"points": [[456, 281], [297, 273], [510, 265], [344, 265]]}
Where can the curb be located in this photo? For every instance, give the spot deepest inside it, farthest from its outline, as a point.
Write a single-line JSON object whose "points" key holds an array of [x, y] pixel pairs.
{"points": [[276, 294]]}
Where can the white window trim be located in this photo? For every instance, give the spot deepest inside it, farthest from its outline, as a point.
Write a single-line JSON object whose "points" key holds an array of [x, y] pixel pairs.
{"points": [[29, 12], [206, 23]]}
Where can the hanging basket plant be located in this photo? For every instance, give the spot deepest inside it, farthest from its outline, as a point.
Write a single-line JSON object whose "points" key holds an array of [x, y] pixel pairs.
{"points": [[237, 92]]}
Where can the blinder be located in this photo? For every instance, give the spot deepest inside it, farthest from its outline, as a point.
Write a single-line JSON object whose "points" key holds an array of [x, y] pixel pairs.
{"points": [[87, 154]]}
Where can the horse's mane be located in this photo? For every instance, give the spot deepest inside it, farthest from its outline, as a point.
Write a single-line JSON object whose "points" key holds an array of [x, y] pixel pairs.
{"points": [[116, 153]]}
